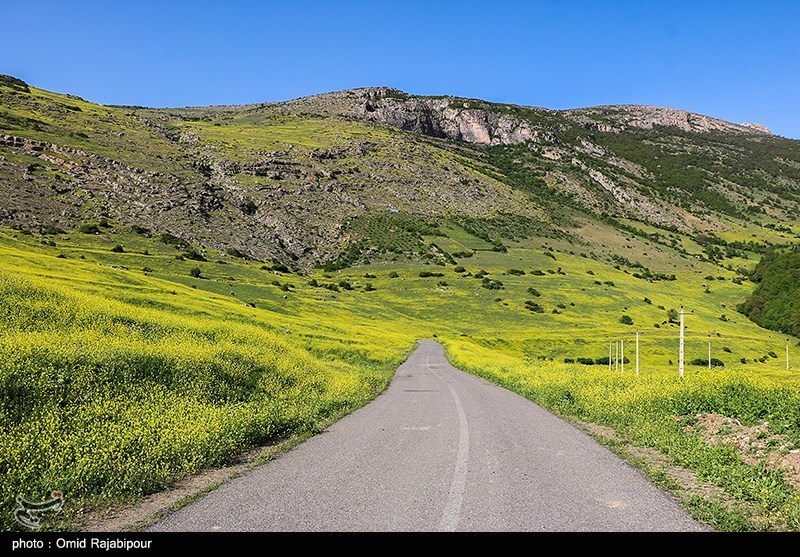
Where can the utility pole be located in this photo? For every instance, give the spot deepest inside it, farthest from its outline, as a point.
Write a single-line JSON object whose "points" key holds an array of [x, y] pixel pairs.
{"points": [[609, 355], [680, 349], [616, 355], [709, 350], [637, 353], [622, 354], [787, 353]]}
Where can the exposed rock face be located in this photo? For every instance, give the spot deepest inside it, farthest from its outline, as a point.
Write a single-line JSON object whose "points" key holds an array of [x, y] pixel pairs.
{"points": [[646, 117], [757, 127], [446, 117]]}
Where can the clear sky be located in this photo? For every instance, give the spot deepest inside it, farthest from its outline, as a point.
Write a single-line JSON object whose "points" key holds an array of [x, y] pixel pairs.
{"points": [[734, 60]]}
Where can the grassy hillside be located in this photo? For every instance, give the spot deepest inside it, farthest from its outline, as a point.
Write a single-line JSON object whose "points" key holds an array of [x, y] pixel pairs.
{"points": [[179, 285], [122, 371]]}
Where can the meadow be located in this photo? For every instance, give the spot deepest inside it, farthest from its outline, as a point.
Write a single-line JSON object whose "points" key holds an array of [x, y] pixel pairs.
{"points": [[127, 362]]}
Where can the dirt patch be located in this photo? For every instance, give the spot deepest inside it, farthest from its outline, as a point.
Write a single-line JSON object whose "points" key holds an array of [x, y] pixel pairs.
{"points": [[146, 510], [755, 443], [685, 481]]}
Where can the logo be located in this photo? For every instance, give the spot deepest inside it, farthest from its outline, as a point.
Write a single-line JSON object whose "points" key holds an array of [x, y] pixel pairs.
{"points": [[27, 514]]}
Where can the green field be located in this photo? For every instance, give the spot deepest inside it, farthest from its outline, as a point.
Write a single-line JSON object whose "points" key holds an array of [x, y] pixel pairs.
{"points": [[122, 372]]}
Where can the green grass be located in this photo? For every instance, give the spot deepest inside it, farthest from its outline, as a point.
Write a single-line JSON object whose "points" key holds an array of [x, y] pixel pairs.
{"points": [[115, 380]]}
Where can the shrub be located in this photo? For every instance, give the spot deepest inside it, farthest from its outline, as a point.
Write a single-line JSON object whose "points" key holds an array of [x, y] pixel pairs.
{"points": [[194, 255], [368, 287], [172, 240], [195, 272], [345, 284], [537, 272], [426, 274], [89, 229], [626, 320], [441, 283], [647, 300], [369, 276], [313, 283], [586, 361], [118, 249], [141, 230], [569, 360], [517, 272], [533, 306], [233, 252], [490, 284], [609, 283], [393, 274], [715, 362], [459, 269], [533, 292]]}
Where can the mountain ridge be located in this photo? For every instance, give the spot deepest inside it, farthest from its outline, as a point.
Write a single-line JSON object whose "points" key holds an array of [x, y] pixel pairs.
{"points": [[301, 180]]}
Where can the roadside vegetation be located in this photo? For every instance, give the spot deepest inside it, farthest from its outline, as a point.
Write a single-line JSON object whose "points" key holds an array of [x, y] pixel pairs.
{"points": [[124, 369]]}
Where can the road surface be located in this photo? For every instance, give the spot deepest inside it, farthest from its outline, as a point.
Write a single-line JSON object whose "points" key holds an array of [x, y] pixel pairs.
{"points": [[440, 450]]}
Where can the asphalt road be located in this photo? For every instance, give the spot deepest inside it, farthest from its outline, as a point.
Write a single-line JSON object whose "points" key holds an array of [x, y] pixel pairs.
{"points": [[440, 450]]}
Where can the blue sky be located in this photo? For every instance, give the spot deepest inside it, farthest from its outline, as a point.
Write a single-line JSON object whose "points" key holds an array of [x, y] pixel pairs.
{"points": [[739, 61]]}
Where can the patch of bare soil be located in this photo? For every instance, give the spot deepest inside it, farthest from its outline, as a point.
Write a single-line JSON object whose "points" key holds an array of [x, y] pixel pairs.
{"points": [[756, 444], [146, 510], [685, 481]]}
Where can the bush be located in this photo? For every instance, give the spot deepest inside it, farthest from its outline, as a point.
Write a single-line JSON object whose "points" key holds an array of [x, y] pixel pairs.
{"points": [[393, 274], [537, 272], [715, 362], [533, 292], [626, 320], [233, 252], [569, 360], [647, 300], [517, 272], [369, 276], [459, 269], [89, 229], [441, 283], [141, 230], [172, 240], [533, 306], [368, 287], [195, 272], [426, 274], [118, 249], [586, 361], [345, 284], [490, 284], [194, 255]]}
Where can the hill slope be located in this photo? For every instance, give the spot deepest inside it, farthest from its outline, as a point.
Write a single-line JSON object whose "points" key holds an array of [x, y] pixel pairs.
{"points": [[530, 242], [304, 181]]}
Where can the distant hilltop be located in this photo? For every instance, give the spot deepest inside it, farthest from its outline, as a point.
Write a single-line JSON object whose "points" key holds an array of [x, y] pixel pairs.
{"points": [[757, 127]]}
